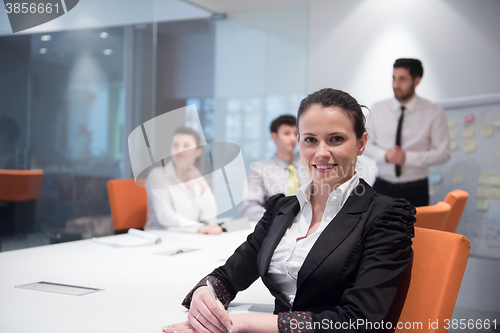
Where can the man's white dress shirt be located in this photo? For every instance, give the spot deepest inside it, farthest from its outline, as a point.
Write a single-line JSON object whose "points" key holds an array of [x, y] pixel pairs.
{"points": [[290, 253], [424, 137], [179, 207], [265, 179]]}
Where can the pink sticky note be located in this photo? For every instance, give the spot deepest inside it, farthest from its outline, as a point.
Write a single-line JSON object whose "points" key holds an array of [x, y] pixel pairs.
{"points": [[469, 118]]}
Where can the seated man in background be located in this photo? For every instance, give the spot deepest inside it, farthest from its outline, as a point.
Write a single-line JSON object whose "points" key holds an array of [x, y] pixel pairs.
{"points": [[179, 197], [283, 173]]}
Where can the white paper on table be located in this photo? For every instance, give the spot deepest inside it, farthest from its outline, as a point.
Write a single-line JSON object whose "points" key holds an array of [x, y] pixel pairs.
{"points": [[134, 237]]}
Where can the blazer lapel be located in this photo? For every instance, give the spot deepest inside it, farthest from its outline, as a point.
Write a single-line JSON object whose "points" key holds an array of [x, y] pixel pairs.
{"points": [[338, 229], [280, 224]]}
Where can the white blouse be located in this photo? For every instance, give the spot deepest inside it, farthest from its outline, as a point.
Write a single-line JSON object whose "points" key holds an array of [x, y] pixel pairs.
{"points": [[290, 253], [174, 206]]}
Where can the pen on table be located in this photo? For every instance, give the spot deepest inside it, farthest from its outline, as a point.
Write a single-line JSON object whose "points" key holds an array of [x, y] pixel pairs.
{"points": [[212, 291]]}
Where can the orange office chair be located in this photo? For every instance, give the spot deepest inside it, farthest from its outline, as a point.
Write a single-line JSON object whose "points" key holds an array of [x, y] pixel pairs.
{"points": [[439, 261], [457, 200], [19, 190], [128, 204], [433, 217]]}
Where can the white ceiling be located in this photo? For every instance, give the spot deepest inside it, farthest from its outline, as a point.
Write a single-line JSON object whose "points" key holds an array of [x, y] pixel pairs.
{"points": [[227, 6]]}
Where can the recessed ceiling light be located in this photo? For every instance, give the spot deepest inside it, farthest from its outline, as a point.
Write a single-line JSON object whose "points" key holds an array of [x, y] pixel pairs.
{"points": [[104, 35], [46, 38], [107, 52], [43, 50]]}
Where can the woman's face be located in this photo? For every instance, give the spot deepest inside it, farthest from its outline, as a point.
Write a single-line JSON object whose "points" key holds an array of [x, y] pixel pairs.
{"points": [[184, 150], [328, 145]]}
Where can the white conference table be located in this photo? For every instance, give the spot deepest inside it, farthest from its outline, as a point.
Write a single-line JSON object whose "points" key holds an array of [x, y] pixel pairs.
{"points": [[142, 289]]}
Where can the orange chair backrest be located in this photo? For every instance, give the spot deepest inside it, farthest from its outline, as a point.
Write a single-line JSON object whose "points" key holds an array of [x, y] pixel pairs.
{"points": [[128, 204], [433, 217], [439, 261], [457, 200], [20, 185]]}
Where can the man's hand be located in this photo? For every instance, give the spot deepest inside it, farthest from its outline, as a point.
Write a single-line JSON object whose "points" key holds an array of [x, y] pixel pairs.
{"points": [[395, 155]]}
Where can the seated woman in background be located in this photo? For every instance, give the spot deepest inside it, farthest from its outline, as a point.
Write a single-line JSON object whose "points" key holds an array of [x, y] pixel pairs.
{"points": [[332, 255], [179, 197]]}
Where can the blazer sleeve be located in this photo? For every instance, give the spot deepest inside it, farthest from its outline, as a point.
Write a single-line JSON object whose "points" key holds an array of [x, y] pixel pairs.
{"points": [[240, 270], [386, 255]]}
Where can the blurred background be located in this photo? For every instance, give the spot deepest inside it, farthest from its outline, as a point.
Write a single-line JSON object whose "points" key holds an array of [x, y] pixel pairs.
{"points": [[72, 90]]}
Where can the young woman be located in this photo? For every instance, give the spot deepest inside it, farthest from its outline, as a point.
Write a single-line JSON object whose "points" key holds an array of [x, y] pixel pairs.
{"points": [[333, 255], [179, 198]]}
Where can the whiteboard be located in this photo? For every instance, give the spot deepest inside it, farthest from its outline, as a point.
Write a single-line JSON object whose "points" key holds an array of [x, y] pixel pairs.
{"points": [[474, 126]]}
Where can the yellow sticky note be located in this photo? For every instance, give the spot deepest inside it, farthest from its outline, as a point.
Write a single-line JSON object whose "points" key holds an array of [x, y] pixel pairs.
{"points": [[483, 178], [434, 189], [453, 133], [487, 131], [497, 121], [494, 193], [452, 122], [453, 145], [483, 204], [499, 152], [494, 179], [458, 177], [482, 191], [468, 131], [470, 146]]}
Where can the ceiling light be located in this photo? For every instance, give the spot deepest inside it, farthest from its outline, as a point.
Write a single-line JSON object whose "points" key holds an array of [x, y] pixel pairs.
{"points": [[104, 35], [46, 38], [43, 50], [107, 52]]}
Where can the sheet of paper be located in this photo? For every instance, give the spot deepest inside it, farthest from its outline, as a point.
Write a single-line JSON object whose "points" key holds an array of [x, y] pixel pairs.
{"points": [[458, 177], [468, 131], [487, 131], [483, 204], [133, 237], [470, 146]]}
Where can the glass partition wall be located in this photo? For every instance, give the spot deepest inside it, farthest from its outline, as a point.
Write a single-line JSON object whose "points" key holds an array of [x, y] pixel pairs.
{"points": [[70, 98]]}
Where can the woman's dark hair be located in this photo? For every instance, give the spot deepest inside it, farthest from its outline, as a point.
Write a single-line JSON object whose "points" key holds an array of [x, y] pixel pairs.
{"points": [[188, 131], [328, 97]]}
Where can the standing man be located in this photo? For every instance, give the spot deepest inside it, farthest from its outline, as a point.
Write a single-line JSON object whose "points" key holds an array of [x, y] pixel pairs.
{"points": [[407, 134], [282, 173]]}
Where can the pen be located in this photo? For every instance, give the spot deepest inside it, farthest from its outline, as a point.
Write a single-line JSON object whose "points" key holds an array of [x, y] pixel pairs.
{"points": [[212, 291]]}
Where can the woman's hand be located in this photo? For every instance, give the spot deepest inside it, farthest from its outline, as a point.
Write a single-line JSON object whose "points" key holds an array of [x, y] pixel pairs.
{"points": [[210, 229], [249, 322], [204, 315]]}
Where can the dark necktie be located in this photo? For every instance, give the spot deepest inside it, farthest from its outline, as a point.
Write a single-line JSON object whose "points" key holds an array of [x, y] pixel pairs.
{"points": [[398, 136]]}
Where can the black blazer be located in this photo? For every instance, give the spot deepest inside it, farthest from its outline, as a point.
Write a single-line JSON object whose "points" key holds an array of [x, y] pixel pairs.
{"points": [[352, 272]]}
